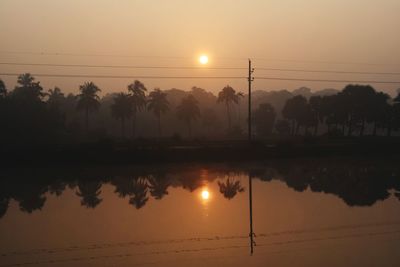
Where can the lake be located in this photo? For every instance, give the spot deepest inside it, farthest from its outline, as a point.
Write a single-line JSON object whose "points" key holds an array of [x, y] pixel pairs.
{"points": [[305, 212]]}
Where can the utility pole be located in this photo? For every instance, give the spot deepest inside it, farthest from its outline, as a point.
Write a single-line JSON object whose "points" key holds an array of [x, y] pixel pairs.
{"points": [[250, 79], [251, 234]]}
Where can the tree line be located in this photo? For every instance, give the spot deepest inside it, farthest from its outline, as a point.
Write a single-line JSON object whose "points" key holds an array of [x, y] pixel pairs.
{"points": [[29, 114]]}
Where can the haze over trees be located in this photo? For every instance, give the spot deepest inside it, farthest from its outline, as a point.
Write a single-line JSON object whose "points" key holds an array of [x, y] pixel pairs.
{"points": [[29, 114]]}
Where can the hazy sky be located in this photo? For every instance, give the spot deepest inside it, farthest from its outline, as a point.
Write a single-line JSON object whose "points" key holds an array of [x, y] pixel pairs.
{"points": [[272, 32]]}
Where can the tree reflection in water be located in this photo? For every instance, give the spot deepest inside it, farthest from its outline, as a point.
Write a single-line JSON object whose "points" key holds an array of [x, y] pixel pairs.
{"points": [[90, 192], [158, 185], [230, 188], [357, 183], [138, 192]]}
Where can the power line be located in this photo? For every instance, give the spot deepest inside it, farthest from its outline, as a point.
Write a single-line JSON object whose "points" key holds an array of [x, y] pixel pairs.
{"points": [[193, 77], [324, 80], [329, 62], [87, 55], [329, 71], [124, 76], [118, 66]]}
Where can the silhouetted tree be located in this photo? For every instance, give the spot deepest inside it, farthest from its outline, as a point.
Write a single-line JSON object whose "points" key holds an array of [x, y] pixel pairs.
{"points": [[88, 100], [379, 111], [228, 96], [187, 111], [293, 110], [138, 95], [159, 104], [158, 185], [30, 197], [27, 90], [138, 193], [122, 185], [308, 118], [121, 109], [357, 99], [264, 119], [316, 106], [230, 188], [90, 192], [55, 98]]}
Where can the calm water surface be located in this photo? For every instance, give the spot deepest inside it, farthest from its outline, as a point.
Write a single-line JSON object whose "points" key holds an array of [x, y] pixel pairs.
{"points": [[305, 213]]}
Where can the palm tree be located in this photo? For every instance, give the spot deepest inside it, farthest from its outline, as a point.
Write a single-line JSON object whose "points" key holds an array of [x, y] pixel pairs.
{"points": [[121, 109], [230, 188], [159, 104], [27, 89], [56, 96], [88, 100], [90, 192], [228, 96], [138, 95], [138, 192], [188, 110], [158, 185]]}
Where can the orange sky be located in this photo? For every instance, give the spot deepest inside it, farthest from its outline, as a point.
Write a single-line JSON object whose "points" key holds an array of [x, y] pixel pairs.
{"points": [[269, 31]]}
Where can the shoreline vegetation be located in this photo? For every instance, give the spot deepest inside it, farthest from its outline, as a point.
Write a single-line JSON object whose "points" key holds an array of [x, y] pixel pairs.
{"points": [[142, 126]]}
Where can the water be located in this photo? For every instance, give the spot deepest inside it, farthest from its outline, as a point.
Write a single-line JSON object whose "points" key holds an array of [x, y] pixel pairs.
{"points": [[308, 212]]}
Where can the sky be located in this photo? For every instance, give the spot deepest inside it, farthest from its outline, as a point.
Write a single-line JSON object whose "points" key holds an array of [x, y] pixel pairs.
{"points": [[340, 35]]}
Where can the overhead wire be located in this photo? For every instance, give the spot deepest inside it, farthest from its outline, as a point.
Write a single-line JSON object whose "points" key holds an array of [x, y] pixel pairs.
{"points": [[120, 66]]}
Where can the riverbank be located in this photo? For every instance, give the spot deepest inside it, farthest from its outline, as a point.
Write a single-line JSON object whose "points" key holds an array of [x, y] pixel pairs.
{"points": [[128, 152]]}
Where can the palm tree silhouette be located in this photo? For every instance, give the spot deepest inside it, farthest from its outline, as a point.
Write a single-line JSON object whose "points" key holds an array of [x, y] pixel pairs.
{"points": [[90, 192], [158, 185], [187, 111], [230, 188], [138, 192], [54, 96], [159, 104], [27, 89], [122, 185], [138, 96], [88, 100], [228, 96], [121, 109]]}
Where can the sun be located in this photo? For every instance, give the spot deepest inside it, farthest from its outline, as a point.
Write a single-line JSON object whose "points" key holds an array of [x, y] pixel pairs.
{"points": [[205, 194], [203, 59]]}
